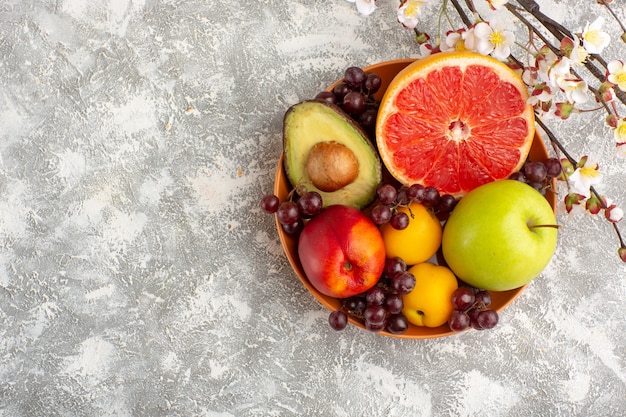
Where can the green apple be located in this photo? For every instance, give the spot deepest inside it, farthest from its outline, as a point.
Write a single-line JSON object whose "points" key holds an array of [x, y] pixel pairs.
{"points": [[500, 236]]}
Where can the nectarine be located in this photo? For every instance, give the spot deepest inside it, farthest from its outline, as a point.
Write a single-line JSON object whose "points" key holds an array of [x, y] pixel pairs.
{"points": [[342, 252]]}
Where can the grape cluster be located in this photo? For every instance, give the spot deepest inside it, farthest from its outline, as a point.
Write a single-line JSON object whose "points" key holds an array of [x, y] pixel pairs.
{"points": [[471, 308], [390, 198], [380, 307], [292, 214], [355, 95], [539, 174]]}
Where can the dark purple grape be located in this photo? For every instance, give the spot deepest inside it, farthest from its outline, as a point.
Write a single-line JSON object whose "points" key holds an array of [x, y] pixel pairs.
{"points": [[473, 315], [431, 196], [355, 305], [402, 197], [399, 220], [338, 320], [327, 96], [376, 327], [293, 228], [483, 298], [381, 214], [535, 171], [487, 319], [415, 192], [397, 324], [459, 321], [374, 314], [463, 298], [386, 193], [354, 103], [393, 303], [553, 167], [288, 213], [355, 77], [403, 283], [270, 203], [372, 83], [340, 91], [518, 176], [394, 266], [310, 204], [367, 119], [375, 296], [447, 202]]}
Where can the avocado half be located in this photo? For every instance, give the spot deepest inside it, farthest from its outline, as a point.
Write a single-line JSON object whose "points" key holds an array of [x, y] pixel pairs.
{"points": [[326, 151]]}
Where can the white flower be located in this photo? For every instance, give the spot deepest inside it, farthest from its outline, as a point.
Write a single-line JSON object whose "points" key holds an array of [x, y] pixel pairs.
{"points": [[559, 69], [426, 49], [497, 4], [452, 41], [409, 12], [494, 39], [579, 54], [539, 96], [575, 90], [585, 177], [365, 7], [617, 74], [469, 39], [620, 150], [594, 39], [620, 132]]}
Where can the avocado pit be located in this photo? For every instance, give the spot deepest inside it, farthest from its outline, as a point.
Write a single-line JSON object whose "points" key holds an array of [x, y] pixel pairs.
{"points": [[331, 166]]}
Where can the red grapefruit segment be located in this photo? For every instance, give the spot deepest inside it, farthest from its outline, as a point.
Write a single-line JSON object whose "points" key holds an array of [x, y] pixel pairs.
{"points": [[454, 121]]}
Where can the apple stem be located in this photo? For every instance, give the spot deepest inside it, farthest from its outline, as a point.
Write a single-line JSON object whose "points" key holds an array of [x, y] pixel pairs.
{"points": [[554, 226]]}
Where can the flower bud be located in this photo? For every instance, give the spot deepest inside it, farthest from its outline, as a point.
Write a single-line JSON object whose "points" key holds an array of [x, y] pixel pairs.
{"points": [[573, 199], [568, 168], [564, 110], [594, 205], [421, 37], [622, 253], [612, 120], [606, 92], [613, 213]]}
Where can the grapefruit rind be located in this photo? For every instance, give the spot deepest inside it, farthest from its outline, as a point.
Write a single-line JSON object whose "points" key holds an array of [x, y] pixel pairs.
{"points": [[471, 124]]}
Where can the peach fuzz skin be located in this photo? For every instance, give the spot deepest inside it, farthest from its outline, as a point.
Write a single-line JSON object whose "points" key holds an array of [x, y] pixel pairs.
{"points": [[342, 252]]}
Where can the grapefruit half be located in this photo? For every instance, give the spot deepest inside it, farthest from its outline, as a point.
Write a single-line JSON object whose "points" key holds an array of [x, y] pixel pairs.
{"points": [[454, 121]]}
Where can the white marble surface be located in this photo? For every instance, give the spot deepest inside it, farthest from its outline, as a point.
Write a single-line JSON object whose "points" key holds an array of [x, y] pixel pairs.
{"points": [[139, 278]]}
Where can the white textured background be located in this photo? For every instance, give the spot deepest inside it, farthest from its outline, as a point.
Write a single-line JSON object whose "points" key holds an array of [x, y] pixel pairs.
{"points": [[139, 278]]}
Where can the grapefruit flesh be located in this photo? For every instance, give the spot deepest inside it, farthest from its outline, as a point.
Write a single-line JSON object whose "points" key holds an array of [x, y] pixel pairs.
{"points": [[454, 121]]}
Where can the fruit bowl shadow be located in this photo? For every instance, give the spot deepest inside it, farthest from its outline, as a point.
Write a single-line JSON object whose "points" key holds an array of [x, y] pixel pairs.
{"points": [[500, 300]]}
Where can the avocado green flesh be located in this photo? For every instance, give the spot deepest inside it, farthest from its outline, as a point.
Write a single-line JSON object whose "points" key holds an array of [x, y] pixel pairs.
{"points": [[310, 122]]}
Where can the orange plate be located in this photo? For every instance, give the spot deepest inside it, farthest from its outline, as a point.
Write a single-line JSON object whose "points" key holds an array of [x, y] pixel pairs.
{"points": [[500, 300]]}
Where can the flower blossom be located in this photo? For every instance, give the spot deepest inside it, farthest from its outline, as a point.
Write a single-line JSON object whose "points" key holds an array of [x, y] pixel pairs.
{"points": [[584, 177], [409, 12], [560, 68], [578, 53], [575, 89], [494, 39], [594, 39], [453, 41], [365, 7], [497, 4], [617, 74], [620, 137], [541, 98]]}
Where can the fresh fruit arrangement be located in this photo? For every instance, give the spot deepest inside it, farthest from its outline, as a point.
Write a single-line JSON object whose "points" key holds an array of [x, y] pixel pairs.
{"points": [[421, 249]]}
